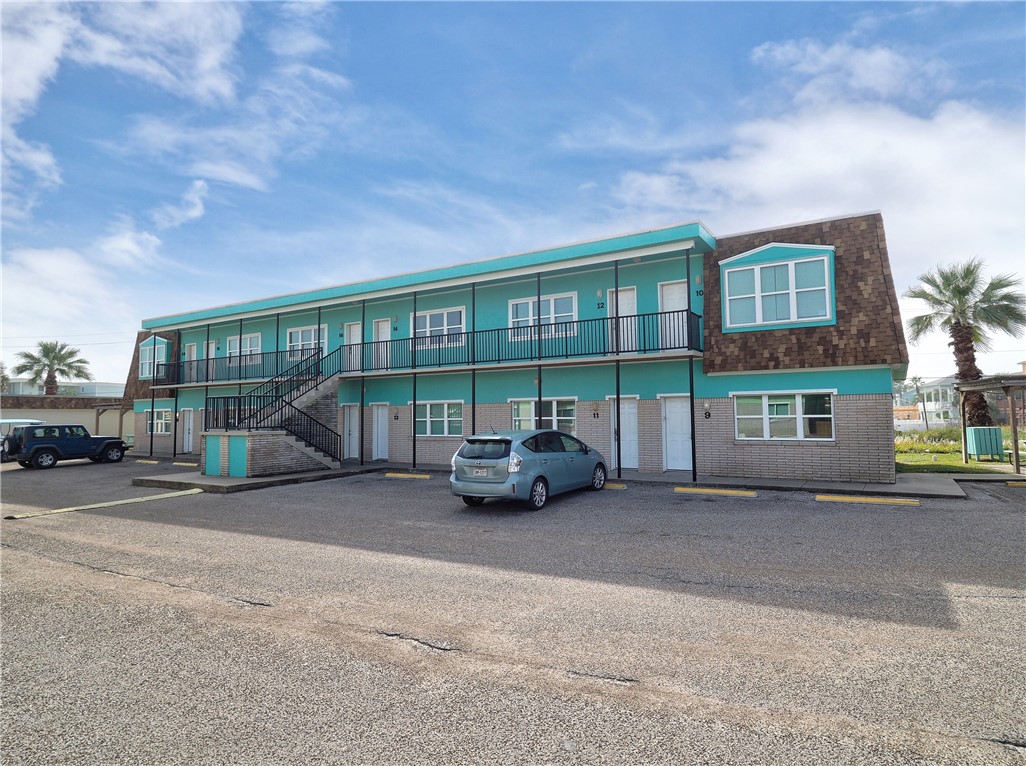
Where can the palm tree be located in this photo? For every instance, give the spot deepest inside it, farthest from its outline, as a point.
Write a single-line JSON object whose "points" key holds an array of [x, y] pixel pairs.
{"points": [[5, 379], [968, 309], [54, 359], [917, 383]]}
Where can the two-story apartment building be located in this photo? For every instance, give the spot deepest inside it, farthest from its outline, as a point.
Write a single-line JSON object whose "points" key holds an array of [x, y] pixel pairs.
{"points": [[764, 354]]}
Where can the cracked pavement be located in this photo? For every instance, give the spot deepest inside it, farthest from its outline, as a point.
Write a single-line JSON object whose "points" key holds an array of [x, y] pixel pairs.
{"points": [[367, 620]]}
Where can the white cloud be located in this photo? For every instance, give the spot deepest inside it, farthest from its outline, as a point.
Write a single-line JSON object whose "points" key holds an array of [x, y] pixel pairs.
{"points": [[842, 72], [184, 48], [127, 248], [169, 216]]}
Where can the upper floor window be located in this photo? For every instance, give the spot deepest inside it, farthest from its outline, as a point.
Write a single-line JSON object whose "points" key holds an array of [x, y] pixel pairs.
{"points": [[244, 346], [151, 353], [553, 313], [439, 328], [778, 285], [308, 339]]}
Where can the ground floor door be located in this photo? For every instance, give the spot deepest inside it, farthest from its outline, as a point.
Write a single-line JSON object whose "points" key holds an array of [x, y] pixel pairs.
{"points": [[351, 426], [628, 432], [379, 432], [677, 433], [185, 418]]}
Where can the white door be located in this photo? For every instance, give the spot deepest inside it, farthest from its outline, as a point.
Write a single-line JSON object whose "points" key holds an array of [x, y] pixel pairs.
{"points": [[677, 433], [189, 368], [628, 434], [382, 334], [673, 329], [185, 418], [379, 432], [352, 428], [353, 341], [623, 332]]}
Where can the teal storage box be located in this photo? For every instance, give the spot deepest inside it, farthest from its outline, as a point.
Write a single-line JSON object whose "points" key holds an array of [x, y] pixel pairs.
{"points": [[984, 440]]}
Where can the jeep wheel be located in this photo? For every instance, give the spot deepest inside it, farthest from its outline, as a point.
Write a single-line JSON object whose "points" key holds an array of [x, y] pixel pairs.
{"points": [[44, 459], [113, 454]]}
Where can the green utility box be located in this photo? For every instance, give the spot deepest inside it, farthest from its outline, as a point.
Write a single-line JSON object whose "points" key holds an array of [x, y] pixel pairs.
{"points": [[984, 440]]}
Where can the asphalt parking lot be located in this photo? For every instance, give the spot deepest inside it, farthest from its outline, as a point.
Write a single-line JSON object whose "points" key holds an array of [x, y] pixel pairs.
{"points": [[376, 620]]}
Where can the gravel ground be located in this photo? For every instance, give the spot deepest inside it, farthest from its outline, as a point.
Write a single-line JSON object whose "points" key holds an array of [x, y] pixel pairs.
{"points": [[372, 620]]}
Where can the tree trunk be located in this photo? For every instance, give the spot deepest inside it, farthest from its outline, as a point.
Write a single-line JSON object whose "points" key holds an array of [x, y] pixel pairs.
{"points": [[50, 384], [977, 413]]}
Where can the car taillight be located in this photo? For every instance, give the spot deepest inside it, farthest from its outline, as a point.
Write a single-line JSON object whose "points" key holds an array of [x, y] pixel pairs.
{"points": [[515, 461], [453, 461]]}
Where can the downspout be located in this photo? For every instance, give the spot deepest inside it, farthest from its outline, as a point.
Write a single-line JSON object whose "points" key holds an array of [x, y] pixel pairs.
{"points": [[413, 362], [538, 338], [616, 341], [174, 430], [153, 393], [691, 372], [473, 357]]}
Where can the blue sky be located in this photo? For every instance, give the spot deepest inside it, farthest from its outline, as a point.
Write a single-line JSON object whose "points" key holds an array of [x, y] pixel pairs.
{"points": [[159, 158]]}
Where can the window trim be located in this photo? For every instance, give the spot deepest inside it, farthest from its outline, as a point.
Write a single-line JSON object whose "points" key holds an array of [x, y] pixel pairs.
{"points": [[799, 415], [427, 420], [151, 421], [554, 419], [148, 368], [522, 333], [447, 340]]}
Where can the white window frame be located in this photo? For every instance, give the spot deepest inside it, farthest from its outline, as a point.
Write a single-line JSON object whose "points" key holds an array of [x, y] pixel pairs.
{"points": [[527, 327], [249, 353], [446, 421], [792, 293], [453, 335], [150, 355], [163, 424], [800, 416], [303, 345], [552, 420]]}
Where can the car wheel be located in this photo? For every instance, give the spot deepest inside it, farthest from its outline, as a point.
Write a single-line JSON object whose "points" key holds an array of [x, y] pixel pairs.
{"points": [[44, 459], [473, 501], [598, 477], [113, 455], [24, 464], [539, 494]]}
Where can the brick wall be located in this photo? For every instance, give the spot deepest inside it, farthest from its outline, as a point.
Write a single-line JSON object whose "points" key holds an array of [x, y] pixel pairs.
{"points": [[274, 452], [862, 450], [162, 443]]}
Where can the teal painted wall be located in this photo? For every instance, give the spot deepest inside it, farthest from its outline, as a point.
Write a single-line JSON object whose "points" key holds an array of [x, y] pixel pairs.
{"points": [[141, 405], [212, 464], [237, 450], [845, 382]]}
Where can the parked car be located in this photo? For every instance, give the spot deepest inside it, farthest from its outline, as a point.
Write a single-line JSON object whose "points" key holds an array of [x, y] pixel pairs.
{"points": [[524, 465], [43, 445], [6, 426]]}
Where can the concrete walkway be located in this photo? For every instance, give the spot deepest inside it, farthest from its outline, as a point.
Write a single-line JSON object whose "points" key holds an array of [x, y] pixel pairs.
{"points": [[939, 485]]}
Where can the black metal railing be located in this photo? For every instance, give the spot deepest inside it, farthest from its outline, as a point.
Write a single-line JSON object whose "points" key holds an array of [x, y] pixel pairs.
{"points": [[607, 336]]}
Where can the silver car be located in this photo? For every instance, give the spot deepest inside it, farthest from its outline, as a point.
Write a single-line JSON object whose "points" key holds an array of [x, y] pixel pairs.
{"points": [[524, 465]]}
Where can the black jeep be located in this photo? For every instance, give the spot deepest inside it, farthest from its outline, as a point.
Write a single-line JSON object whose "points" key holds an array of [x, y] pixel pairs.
{"points": [[42, 446]]}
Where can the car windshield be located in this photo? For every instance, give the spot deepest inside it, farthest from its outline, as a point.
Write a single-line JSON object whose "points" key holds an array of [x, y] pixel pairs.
{"points": [[485, 449]]}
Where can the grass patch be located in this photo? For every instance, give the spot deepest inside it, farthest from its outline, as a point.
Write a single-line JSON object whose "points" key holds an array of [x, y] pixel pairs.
{"points": [[944, 462]]}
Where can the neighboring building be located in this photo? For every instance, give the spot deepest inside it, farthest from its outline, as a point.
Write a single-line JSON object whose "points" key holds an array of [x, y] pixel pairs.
{"points": [[98, 406], [22, 387], [764, 354]]}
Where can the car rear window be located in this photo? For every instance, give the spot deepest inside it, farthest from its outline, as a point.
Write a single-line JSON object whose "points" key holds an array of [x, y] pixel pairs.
{"points": [[485, 449]]}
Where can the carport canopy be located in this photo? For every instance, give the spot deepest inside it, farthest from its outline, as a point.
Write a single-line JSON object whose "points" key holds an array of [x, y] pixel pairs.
{"points": [[1007, 383]]}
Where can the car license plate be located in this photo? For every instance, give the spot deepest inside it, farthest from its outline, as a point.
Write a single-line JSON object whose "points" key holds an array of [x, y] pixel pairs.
{"points": [[480, 472]]}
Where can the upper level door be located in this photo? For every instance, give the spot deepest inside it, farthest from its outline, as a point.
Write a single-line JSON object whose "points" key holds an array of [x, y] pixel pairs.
{"points": [[673, 325], [623, 303], [382, 336], [353, 343]]}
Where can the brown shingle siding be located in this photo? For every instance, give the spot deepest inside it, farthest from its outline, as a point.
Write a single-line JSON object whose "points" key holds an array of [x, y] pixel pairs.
{"points": [[868, 329]]}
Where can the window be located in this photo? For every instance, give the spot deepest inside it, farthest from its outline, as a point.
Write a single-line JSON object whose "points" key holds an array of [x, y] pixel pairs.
{"points": [[305, 339], [784, 416], [552, 314], [150, 355], [439, 328], [248, 349], [558, 414], [438, 419], [795, 291], [158, 422]]}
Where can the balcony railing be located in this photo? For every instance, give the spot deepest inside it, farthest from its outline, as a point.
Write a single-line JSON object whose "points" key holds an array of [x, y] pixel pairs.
{"points": [[637, 334]]}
